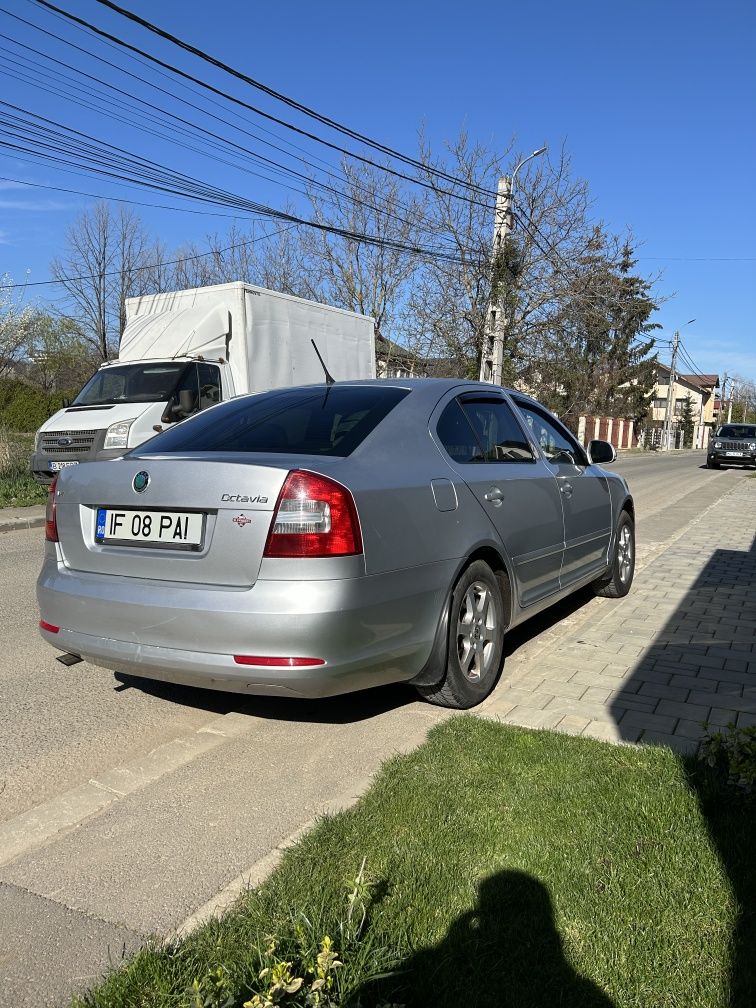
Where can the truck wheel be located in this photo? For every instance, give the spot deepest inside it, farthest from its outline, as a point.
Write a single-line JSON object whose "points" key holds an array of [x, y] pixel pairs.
{"points": [[616, 584], [476, 641]]}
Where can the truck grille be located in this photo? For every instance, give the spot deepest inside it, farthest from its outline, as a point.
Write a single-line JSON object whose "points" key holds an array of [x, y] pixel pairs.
{"points": [[81, 441], [734, 446]]}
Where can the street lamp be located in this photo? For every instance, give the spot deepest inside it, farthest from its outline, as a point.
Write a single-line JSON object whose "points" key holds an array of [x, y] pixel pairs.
{"points": [[502, 226]]}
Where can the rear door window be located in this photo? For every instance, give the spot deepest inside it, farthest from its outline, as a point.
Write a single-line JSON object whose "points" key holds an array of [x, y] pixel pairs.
{"points": [[483, 429], [306, 421]]}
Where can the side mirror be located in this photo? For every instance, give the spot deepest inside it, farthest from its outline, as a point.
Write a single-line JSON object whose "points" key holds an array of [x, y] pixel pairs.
{"points": [[601, 452], [66, 402]]}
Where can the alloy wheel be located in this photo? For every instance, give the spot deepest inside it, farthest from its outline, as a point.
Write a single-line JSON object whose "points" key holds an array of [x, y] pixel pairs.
{"points": [[477, 631]]}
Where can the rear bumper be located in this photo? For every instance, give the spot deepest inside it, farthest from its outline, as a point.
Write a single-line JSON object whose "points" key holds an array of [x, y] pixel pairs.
{"points": [[368, 630]]}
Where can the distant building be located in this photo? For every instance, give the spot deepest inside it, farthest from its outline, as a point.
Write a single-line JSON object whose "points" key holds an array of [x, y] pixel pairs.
{"points": [[700, 388], [395, 361]]}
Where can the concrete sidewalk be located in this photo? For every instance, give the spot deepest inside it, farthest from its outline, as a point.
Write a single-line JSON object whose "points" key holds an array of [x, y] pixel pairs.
{"points": [[679, 651]]}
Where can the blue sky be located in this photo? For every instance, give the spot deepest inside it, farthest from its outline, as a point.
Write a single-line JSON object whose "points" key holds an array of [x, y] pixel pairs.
{"points": [[655, 101]]}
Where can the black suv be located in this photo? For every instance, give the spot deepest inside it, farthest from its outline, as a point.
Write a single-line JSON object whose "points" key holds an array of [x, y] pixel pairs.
{"points": [[732, 444]]}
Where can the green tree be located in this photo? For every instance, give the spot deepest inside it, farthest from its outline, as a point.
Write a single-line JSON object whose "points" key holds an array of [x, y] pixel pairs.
{"points": [[599, 359], [687, 422], [60, 358]]}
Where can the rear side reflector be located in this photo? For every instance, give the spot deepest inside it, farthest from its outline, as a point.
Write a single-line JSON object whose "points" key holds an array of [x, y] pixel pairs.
{"points": [[315, 517], [242, 659], [51, 517], [48, 626]]}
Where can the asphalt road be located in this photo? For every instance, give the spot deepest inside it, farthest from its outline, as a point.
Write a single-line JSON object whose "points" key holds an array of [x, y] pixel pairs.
{"points": [[129, 805]]}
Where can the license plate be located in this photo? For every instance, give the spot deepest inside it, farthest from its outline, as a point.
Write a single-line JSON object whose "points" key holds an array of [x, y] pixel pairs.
{"points": [[57, 466], [149, 528], [738, 454]]}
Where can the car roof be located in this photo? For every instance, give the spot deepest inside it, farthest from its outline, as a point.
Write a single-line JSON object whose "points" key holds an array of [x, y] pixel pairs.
{"points": [[435, 385]]}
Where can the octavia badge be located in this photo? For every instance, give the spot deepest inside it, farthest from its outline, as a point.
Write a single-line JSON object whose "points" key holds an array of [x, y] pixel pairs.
{"points": [[141, 481]]}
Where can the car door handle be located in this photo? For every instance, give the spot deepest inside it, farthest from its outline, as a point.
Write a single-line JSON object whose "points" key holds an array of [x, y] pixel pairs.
{"points": [[495, 496], [566, 489]]}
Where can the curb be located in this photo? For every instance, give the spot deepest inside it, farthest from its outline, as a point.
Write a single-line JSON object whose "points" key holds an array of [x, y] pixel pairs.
{"points": [[17, 524]]}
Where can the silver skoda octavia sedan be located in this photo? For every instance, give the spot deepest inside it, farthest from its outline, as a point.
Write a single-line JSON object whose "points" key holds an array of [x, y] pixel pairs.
{"points": [[315, 540]]}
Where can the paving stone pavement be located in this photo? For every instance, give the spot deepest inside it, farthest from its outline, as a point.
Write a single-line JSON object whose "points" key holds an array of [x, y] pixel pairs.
{"points": [[678, 651]]}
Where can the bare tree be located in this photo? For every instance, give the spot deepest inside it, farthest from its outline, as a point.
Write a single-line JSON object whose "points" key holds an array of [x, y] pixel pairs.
{"points": [[100, 268], [446, 312], [525, 277], [363, 277], [743, 398]]}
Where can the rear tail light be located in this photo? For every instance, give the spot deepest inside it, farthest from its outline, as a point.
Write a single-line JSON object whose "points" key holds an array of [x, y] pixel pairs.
{"points": [[51, 628], [51, 517], [314, 517]]}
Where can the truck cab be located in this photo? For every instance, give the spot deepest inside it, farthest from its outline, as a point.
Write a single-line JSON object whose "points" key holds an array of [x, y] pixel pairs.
{"points": [[124, 404]]}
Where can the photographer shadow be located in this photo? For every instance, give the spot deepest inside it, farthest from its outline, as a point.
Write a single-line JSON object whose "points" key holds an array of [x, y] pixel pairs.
{"points": [[504, 953]]}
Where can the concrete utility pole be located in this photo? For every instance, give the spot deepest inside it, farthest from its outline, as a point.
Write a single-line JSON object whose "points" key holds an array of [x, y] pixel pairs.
{"points": [[722, 400], [671, 392], [493, 350], [492, 355], [667, 430]]}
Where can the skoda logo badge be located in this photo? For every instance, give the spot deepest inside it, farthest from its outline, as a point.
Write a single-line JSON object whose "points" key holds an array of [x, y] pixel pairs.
{"points": [[141, 481]]}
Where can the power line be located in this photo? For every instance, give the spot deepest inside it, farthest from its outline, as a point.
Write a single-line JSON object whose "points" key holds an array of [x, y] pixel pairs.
{"points": [[697, 258], [278, 96], [119, 199], [138, 269], [266, 115], [687, 359], [146, 173], [329, 168], [430, 228], [378, 210]]}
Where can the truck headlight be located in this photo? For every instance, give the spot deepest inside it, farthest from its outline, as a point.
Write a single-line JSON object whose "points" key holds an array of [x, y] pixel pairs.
{"points": [[717, 444], [752, 447], [117, 435]]}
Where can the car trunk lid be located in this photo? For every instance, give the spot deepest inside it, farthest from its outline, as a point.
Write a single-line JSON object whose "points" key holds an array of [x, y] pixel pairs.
{"points": [[197, 521]]}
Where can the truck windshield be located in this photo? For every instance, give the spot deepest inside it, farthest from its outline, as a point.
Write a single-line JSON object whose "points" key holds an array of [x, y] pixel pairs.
{"points": [[131, 383]]}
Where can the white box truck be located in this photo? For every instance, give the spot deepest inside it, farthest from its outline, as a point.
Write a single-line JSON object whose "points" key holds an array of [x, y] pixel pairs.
{"points": [[183, 351]]}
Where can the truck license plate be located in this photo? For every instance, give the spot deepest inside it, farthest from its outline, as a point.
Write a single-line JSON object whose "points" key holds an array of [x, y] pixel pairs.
{"points": [[149, 528], [738, 454], [57, 466]]}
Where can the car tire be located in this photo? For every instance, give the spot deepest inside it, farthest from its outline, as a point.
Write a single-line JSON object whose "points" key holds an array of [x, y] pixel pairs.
{"points": [[617, 583], [712, 465], [477, 624]]}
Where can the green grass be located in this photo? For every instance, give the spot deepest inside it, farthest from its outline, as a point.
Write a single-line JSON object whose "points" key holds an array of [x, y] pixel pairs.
{"points": [[507, 867], [17, 487]]}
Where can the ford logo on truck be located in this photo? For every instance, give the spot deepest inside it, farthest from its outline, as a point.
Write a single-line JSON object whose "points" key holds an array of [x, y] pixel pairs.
{"points": [[63, 442]]}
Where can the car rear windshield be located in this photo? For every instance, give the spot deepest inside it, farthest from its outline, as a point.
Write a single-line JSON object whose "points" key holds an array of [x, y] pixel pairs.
{"points": [[304, 421]]}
